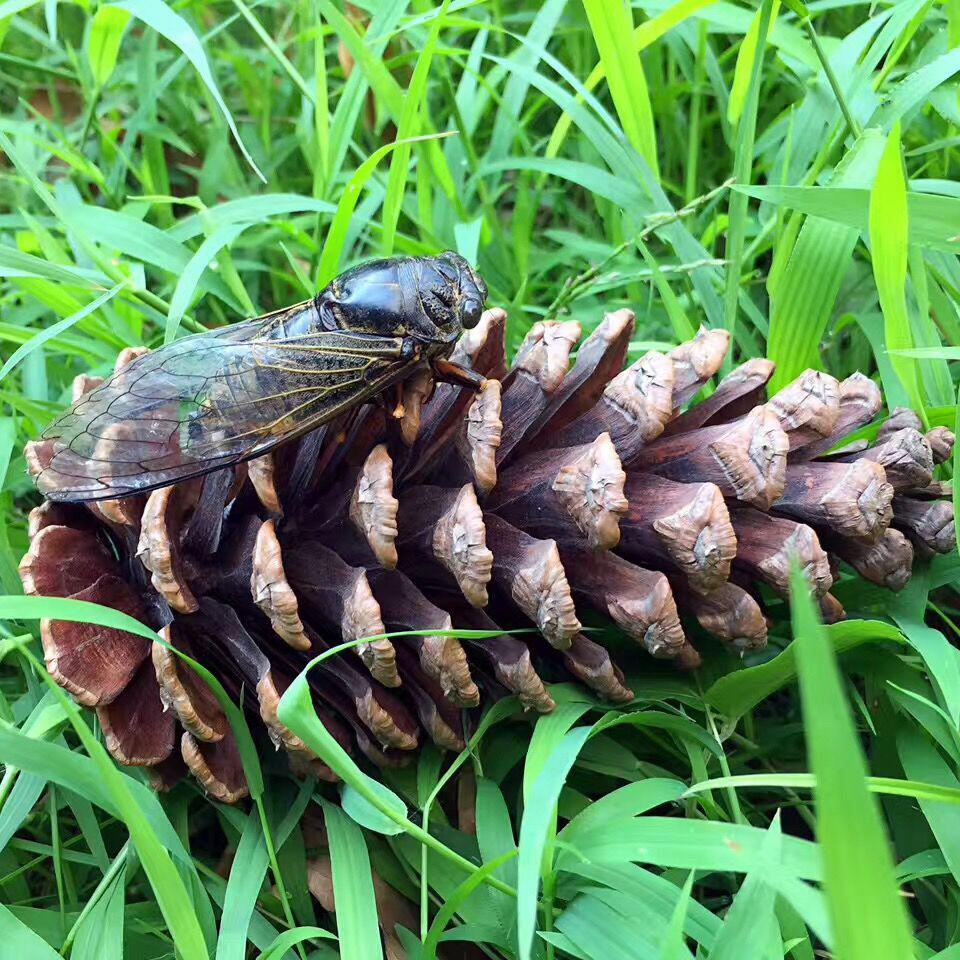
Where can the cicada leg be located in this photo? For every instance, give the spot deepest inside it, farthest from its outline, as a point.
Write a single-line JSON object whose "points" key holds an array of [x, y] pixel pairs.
{"points": [[446, 371]]}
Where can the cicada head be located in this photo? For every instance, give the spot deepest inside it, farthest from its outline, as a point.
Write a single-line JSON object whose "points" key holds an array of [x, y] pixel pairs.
{"points": [[451, 278], [431, 299]]}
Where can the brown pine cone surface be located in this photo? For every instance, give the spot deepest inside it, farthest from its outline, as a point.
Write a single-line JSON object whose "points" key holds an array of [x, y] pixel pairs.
{"points": [[562, 492]]}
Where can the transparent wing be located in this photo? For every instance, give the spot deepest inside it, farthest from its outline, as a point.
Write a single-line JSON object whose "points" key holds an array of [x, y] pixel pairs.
{"points": [[208, 401]]}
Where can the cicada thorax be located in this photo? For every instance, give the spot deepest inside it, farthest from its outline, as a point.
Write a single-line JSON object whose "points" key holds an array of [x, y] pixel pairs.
{"points": [[376, 298], [428, 299]]}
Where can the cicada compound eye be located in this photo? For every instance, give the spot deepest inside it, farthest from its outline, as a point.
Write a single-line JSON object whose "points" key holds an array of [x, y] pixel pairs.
{"points": [[470, 313]]}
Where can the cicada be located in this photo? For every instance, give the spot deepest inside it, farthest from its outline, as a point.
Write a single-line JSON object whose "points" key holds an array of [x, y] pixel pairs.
{"points": [[218, 398]]}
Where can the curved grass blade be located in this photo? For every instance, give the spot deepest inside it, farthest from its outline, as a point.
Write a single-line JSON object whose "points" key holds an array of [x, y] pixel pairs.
{"points": [[446, 912], [166, 21], [82, 611], [25, 349], [889, 786], [333, 246], [194, 270], [735, 693], [172, 897], [296, 712], [290, 938]]}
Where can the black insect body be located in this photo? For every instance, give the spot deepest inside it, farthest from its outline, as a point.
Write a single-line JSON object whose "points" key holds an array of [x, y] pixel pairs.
{"points": [[222, 397]]}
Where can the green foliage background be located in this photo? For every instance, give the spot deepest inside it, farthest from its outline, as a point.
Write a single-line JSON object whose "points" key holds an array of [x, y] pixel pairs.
{"points": [[782, 171]]}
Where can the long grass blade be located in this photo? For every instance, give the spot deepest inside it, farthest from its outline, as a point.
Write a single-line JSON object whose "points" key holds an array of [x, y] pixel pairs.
{"points": [[867, 911], [612, 27], [165, 21], [888, 246]]}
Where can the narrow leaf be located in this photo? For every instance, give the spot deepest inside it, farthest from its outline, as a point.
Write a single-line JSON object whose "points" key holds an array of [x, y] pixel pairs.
{"points": [[165, 21], [356, 913], [865, 905], [103, 44], [889, 237], [612, 25]]}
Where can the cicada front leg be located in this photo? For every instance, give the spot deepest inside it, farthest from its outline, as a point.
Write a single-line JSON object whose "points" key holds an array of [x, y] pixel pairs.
{"points": [[446, 371]]}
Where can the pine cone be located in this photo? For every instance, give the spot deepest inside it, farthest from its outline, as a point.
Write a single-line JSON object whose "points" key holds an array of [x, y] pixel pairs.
{"points": [[555, 491]]}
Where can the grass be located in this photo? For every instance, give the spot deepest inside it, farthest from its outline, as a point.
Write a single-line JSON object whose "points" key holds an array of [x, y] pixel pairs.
{"points": [[172, 167]]}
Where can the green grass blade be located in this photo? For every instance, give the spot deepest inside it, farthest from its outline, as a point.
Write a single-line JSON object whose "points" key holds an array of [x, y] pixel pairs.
{"points": [[888, 246], [751, 915], [804, 299], [743, 70], [742, 172], [643, 36], [103, 43], [247, 873], [194, 270], [932, 219], [922, 762], [100, 935], [297, 713], [888, 786], [290, 938], [356, 914], [172, 897], [453, 903], [409, 124], [917, 86], [16, 263], [358, 808], [18, 804], [624, 803], [371, 76], [601, 925], [548, 734], [333, 247], [674, 947], [24, 350], [663, 896], [82, 611], [868, 914], [956, 465], [74, 771], [683, 327], [379, 77], [539, 820], [612, 26], [494, 839], [738, 692], [21, 941], [278, 55], [506, 125], [165, 21], [254, 210]]}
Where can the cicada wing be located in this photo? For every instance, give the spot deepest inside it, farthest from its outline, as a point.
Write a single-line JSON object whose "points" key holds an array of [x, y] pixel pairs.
{"points": [[209, 401]]}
